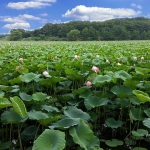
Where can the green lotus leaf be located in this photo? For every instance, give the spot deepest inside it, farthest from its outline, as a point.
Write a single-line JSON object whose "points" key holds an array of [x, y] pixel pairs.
{"points": [[5, 145], [113, 143], [80, 90], [130, 141], [131, 83], [139, 148], [55, 79], [140, 132], [49, 108], [83, 135], [147, 139], [10, 117], [94, 101], [101, 79], [2, 94], [58, 66], [65, 83], [140, 70], [50, 140], [147, 112], [134, 100], [64, 123], [112, 75], [74, 102], [29, 133], [66, 97], [142, 96], [14, 90], [29, 77], [137, 137], [45, 82], [49, 120], [25, 96], [146, 122], [37, 115], [112, 123], [42, 66], [15, 81], [122, 91], [5, 88], [91, 77], [137, 114], [95, 61], [39, 96], [18, 106], [73, 74], [75, 113], [122, 75], [4, 102], [86, 94], [93, 144]]}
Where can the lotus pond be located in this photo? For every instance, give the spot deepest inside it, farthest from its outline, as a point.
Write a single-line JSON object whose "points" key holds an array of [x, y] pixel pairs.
{"points": [[75, 95]]}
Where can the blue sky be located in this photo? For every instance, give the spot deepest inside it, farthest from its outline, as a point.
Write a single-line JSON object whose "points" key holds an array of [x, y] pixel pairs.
{"points": [[32, 14]]}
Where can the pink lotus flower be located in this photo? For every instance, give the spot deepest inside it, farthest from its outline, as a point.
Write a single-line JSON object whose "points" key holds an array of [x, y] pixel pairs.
{"points": [[88, 83], [45, 73], [21, 59], [95, 69], [17, 67]]}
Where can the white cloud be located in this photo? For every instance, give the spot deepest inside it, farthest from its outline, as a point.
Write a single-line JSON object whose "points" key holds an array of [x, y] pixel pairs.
{"points": [[50, 1], [12, 19], [24, 5], [82, 12], [56, 21], [29, 17], [44, 14], [136, 6], [30, 4], [20, 18], [20, 25], [20, 21]]}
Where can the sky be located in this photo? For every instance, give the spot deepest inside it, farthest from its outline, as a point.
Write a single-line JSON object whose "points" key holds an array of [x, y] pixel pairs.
{"points": [[33, 14]]}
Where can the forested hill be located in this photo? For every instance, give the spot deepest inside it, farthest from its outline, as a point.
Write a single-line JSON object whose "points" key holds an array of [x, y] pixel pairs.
{"points": [[115, 29]]}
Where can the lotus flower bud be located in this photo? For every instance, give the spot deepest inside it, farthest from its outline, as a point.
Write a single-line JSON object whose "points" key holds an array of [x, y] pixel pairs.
{"points": [[95, 69], [88, 83]]}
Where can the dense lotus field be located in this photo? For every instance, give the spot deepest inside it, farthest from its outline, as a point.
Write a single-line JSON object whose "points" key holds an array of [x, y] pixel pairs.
{"points": [[75, 95]]}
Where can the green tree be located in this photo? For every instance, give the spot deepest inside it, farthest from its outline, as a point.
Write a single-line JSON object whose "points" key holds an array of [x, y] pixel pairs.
{"points": [[73, 35], [15, 35], [119, 33], [135, 35], [93, 33], [62, 32], [85, 34]]}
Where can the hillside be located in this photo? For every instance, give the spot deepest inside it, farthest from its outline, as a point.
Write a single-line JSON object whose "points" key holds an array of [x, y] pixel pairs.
{"points": [[115, 29]]}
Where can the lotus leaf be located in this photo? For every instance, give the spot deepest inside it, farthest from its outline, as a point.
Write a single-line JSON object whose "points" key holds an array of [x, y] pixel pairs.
{"points": [[94, 101], [75, 113], [112, 123], [114, 142], [50, 140], [83, 135]]}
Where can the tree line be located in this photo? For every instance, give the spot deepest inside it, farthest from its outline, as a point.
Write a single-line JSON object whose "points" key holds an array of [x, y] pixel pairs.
{"points": [[114, 29]]}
